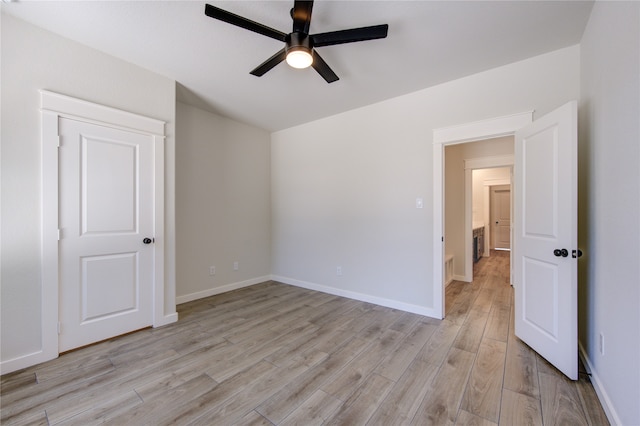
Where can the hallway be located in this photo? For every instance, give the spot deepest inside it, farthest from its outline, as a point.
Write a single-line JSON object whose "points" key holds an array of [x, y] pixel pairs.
{"points": [[532, 390]]}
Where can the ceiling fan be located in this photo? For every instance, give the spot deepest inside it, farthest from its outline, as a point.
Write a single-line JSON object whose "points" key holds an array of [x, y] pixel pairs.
{"points": [[299, 50]]}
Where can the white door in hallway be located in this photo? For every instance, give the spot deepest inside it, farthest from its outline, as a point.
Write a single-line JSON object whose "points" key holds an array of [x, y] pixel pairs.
{"points": [[545, 213], [106, 204], [501, 217]]}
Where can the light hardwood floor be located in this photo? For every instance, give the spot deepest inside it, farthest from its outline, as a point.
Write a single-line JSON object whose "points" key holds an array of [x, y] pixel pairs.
{"points": [[276, 354]]}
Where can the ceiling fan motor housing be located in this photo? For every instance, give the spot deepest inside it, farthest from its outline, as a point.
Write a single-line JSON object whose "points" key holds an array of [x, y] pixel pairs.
{"points": [[298, 41]]}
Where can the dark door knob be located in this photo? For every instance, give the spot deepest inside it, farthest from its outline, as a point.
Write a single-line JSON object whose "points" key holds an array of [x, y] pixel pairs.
{"points": [[561, 252], [147, 240]]}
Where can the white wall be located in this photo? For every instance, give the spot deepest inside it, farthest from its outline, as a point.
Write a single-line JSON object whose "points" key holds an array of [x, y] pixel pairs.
{"points": [[344, 188], [222, 203], [454, 193], [34, 59], [609, 210]]}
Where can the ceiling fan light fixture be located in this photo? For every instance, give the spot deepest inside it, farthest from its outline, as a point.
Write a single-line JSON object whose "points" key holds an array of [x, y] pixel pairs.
{"points": [[299, 49], [299, 57]]}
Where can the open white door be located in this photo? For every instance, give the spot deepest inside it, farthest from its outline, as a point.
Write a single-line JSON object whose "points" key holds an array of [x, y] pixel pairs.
{"points": [[545, 213]]}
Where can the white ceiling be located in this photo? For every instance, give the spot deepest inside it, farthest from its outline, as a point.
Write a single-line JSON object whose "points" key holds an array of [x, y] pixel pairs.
{"points": [[429, 42]]}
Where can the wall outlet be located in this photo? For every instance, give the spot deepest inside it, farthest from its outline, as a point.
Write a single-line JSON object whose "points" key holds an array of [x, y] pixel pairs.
{"points": [[339, 271], [601, 344], [212, 270], [236, 266]]}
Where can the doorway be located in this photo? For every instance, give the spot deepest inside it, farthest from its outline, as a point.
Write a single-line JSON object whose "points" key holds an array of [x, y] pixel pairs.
{"points": [[480, 130], [57, 108], [545, 218], [470, 172]]}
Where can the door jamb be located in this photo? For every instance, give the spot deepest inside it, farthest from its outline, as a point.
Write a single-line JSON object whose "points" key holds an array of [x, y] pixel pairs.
{"points": [[474, 131], [53, 107]]}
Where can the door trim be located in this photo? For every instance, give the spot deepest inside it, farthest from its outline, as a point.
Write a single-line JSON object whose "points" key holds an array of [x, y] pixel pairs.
{"points": [[468, 132], [53, 107]]}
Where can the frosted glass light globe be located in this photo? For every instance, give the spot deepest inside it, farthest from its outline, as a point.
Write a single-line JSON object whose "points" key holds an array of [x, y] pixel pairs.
{"points": [[299, 59]]}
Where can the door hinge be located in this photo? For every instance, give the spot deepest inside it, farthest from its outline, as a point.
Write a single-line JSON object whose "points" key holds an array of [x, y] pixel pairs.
{"points": [[59, 234], [59, 141], [59, 327]]}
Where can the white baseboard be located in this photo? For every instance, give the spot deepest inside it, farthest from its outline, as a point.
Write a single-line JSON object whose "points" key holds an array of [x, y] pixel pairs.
{"points": [[394, 304], [611, 413], [222, 289], [25, 361], [166, 319], [460, 278], [389, 303], [39, 357]]}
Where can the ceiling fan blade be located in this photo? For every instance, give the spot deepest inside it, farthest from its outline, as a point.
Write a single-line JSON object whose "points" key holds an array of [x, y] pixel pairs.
{"points": [[267, 65], [323, 69], [301, 14], [349, 36], [239, 21]]}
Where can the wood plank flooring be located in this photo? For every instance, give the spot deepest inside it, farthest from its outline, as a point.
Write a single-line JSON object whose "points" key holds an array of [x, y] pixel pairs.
{"points": [[274, 354]]}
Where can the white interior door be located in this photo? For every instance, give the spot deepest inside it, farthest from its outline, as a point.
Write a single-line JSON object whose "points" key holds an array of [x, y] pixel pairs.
{"points": [[545, 235], [106, 210], [501, 217]]}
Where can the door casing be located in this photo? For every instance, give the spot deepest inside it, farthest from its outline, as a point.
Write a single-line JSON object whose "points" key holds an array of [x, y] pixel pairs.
{"points": [[54, 107]]}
